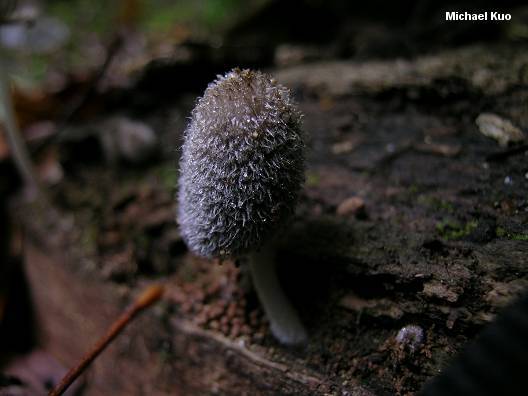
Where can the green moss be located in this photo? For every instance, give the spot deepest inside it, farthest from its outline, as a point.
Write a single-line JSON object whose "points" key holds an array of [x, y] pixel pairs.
{"points": [[519, 237], [160, 19], [436, 203], [312, 179], [83, 15], [212, 15], [168, 176], [450, 229], [502, 233], [89, 236], [413, 189]]}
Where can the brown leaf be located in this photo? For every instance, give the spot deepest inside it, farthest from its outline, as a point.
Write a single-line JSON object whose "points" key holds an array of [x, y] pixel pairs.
{"points": [[37, 373]]}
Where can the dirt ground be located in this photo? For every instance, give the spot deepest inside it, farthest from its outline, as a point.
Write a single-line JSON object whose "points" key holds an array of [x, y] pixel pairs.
{"points": [[409, 216]]}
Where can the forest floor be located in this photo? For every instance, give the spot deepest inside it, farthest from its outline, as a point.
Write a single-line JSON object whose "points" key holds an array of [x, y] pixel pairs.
{"points": [[409, 216]]}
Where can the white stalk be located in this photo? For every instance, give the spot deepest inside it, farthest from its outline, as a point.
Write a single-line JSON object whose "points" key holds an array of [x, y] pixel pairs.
{"points": [[284, 320]]}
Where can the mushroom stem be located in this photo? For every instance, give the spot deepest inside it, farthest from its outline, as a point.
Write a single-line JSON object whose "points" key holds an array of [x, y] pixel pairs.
{"points": [[284, 320]]}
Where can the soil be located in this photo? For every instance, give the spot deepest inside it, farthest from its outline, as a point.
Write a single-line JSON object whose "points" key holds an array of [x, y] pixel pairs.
{"points": [[409, 216]]}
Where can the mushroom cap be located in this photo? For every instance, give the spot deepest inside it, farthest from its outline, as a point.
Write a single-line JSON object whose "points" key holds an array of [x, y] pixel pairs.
{"points": [[242, 165]]}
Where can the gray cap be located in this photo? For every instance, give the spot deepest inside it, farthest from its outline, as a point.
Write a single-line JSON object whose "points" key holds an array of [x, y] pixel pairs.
{"points": [[242, 165]]}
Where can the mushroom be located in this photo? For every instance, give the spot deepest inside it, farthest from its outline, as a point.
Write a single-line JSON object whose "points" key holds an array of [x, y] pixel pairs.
{"points": [[242, 167]]}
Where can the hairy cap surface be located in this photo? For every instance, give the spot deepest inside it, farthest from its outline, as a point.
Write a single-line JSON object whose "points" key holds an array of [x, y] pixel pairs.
{"points": [[242, 164]]}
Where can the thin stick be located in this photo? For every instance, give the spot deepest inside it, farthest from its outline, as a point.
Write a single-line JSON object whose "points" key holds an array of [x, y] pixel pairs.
{"points": [[81, 101], [19, 151], [147, 298]]}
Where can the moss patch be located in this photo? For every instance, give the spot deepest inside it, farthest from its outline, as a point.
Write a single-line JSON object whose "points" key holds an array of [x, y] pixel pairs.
{"points": [[502, 233], [450, 229]]}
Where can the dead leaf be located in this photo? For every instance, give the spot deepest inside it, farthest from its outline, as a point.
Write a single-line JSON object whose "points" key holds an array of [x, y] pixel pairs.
{"points": [[37, 373]]}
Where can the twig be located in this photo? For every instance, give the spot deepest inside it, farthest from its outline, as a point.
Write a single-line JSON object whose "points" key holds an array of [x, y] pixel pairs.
{"points": [[113, 48], [19, 151], [147, 298], [78, 103]]}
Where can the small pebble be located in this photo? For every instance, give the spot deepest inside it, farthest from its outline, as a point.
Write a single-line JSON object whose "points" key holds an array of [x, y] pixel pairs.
{"points": [[216, 311], [245, 329], [201, 320], [235, 331], [498, 128], [134, 141], [199, 295], [186, 307], [215, 325], [213, 289], [231, 310], [351, 206]]}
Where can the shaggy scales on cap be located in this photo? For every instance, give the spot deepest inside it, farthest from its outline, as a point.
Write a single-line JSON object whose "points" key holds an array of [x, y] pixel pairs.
{"points": [[242, 167]]}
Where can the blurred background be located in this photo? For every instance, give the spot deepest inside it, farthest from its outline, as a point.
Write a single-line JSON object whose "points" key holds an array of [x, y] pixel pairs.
{"points": [[96, 95]]}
